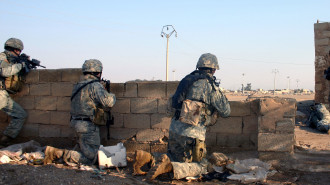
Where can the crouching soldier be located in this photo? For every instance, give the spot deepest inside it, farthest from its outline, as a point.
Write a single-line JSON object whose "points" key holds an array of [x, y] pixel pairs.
{"points": [[198, 102], [89, 97], [11, 74]]}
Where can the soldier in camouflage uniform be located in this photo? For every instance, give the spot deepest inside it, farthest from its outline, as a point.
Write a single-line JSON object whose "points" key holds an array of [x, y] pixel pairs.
{"points": [[87, 96], [186, 144], [10, 69]]}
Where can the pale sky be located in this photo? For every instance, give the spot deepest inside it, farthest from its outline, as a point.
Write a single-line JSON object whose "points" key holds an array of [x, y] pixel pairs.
{"points": [[250, 37]]}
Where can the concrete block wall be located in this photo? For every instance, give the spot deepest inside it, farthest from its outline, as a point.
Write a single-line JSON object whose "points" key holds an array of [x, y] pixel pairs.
{"points": [[322, 61], [140, 116]]}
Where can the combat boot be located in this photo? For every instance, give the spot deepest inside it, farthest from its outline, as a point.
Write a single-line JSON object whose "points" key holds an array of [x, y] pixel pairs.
{"points": [[163, 165], [52, 153], [141, 158]]}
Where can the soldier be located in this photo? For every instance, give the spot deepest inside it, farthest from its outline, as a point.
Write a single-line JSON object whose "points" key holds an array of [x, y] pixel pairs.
{"points": [[11, 74], [88, 96], [198, 101]]}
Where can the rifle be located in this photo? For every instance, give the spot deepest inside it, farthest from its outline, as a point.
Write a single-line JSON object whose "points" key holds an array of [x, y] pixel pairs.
{"points": [[110, 120], [30, 64]]}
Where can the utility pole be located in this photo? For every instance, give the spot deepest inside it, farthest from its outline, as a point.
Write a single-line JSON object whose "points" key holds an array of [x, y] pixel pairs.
{"points": [[167, 31], [297, 80], [275, 71]]}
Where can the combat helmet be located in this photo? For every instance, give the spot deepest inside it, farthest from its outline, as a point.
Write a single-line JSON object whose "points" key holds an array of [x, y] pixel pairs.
{"points": [[14, 43], [93, 66], [208, 60]]}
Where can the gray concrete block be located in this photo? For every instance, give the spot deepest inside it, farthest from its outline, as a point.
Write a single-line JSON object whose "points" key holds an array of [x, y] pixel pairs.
{"points": [[67, 131], [230, 125], [118, 89], [151, 90], [322, 42], [122, 106], [60, 118], [122, 133], [137, 121], [118, 120], [240, 108], [42, 89], [61, 89], [63, 104], [250, 124], [30, 130], [171, 88], [49, 131], [286, 125], [162, 105], [143, 105], [269, 142], [27, 102], [49, 75], [38, 116], [32, 77], [211, 139], [160, 121], [130, 89], [71, 75], [148, 135], [45, 102]]}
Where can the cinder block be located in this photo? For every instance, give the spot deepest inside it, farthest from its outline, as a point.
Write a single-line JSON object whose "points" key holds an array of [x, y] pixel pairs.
{"points": [[130, 89], [67, 131], [250, 124], [137, 121], [211, 139], [122, 106], [171, 88], [24, 92], [49, 131], [159, 148], [234, 140], [148, 135], [162, 105], [221, 139], [267, 123], [269, 142], [285, 126], [60, 118], [326, 34], [271, 156], [151, 90], [61, 89], [32, 77], [40, 89], [118, 120], [240, 108], [254, 140], [49, 75], [118, 89], [38, 116], [45, 102], [30, 130], [63, 104], [230, 125], [122, 133], [27, 102], [321, 26], [160, 121], [132, 146], [73, 75], [322, 42], [142, 105]]}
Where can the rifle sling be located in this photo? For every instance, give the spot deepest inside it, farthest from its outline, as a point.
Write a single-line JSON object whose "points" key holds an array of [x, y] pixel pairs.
{"points": [[79, 89]]}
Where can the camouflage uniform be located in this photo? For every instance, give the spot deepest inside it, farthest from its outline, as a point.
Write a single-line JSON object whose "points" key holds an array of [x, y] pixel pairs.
{"points": [[183, 137], [320, 118], [83, 107], [7, 104]]}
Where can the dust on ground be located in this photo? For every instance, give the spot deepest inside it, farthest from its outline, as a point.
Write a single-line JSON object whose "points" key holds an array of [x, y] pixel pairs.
{"points": [[307, 140]]}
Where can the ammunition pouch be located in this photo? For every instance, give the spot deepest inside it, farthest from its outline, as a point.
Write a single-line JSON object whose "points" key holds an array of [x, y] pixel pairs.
{"points": [[100, 117], [14, 84], [199, 150], [191, 112]]}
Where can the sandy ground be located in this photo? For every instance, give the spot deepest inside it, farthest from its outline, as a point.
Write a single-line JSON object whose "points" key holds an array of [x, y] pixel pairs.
{"points": [[307, 140]]}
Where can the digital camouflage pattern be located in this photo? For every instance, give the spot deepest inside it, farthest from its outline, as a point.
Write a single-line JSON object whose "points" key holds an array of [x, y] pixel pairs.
{"points": [[14, 43], [320, 118], [92, 65], [7, 104], [83, 106], [208, 60], [182, 136]]}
